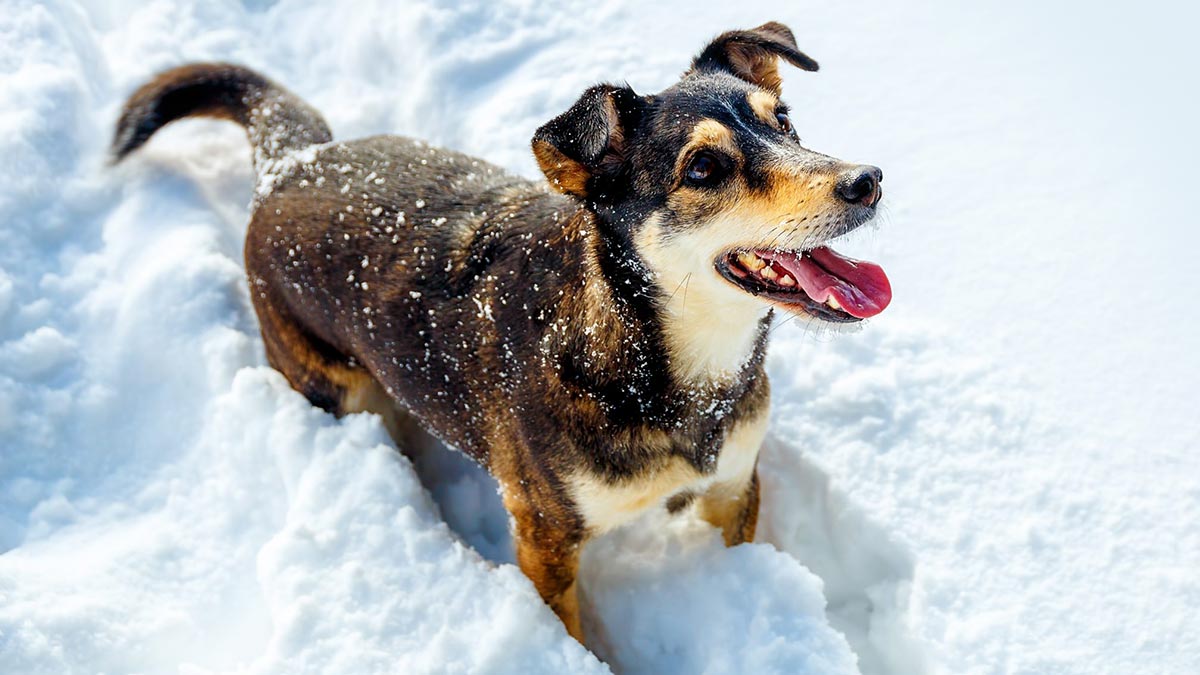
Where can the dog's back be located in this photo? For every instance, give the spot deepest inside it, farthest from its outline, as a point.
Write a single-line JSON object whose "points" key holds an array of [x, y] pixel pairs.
{"points": [[385, 263], [400, 258]]}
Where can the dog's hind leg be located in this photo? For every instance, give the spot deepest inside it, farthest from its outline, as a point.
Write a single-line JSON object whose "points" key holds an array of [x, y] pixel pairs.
{"points": [[327, 378]]}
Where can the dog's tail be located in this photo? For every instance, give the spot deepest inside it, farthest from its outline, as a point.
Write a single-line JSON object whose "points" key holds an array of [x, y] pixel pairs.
{"points": [[276, 120]]}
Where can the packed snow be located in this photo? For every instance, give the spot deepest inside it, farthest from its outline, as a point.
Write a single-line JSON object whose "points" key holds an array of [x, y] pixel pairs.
{"points": [[997, 475]]}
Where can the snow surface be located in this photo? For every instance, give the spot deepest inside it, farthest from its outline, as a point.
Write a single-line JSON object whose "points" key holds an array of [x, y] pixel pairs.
{"points": [[998, 475]]}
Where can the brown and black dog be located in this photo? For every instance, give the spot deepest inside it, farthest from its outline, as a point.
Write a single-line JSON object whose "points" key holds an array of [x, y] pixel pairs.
{"points": [[596, 343]]}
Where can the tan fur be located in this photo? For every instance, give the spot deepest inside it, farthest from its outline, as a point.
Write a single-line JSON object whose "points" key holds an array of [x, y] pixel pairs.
{"points": [[764, 105], [606, 506], [739, 454], [566, 606], [367, 395], [546, 548], [760, 69], [291, 351], [799, 196], [727, 500], [707, 133], [711, 132], [735, 515], [565, 174]]}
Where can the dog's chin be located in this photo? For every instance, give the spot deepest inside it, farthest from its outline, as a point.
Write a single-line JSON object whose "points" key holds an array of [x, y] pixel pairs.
{"points": [[816, 283]]}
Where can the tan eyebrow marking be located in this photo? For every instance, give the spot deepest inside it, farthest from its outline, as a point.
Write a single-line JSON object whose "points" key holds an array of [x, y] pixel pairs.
{"points": [[710, 132], [763, 104]]}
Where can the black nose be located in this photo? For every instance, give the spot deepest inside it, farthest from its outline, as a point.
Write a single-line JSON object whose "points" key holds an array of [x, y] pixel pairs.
{"points": [[860, 185]]}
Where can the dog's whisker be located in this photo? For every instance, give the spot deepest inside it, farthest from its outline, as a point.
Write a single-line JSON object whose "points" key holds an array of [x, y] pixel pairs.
{"points": [[677, 287]]}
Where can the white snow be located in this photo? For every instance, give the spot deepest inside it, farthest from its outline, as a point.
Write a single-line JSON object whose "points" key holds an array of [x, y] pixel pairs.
{"points": [[998, 475]]}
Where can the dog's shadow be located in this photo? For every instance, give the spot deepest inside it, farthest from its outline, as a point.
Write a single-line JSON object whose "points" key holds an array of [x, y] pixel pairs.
{"points": [[664, 595]]}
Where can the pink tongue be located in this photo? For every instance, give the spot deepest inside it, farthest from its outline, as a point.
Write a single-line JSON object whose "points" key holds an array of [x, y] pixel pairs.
{"points": [[860, 287]]}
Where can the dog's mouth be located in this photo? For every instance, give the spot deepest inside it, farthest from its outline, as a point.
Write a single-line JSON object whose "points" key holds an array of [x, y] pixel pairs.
{"points": [[819, 282]]}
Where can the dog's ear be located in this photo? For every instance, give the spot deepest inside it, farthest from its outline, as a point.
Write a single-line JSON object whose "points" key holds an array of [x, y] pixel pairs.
{"points": [[754, 54], [586, 145]]}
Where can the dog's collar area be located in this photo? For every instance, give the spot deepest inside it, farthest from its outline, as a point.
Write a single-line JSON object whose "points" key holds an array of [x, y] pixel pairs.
{"points": [[820, 282]]}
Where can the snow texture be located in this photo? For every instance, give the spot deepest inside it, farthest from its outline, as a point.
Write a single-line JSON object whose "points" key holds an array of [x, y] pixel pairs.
{"points": [[997, 475]]}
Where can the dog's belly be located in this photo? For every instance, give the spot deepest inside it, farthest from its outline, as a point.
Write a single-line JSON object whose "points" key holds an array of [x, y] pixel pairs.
{"points": [[606, 505]]}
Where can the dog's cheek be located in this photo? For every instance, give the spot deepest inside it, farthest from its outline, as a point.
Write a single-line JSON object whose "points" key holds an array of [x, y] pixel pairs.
{"points": [[695, 208], [679, 253]]}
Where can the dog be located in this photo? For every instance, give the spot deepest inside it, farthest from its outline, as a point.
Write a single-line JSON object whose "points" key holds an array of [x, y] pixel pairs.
{"points": [[595, 340]]}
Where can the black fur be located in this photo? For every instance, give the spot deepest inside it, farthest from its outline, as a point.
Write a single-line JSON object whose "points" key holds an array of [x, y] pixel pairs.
{"points": [[220, 90]]}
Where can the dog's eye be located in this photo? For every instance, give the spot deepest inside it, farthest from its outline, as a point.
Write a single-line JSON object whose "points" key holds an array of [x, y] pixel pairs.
{"points": [[785, 122], [704, 169]]}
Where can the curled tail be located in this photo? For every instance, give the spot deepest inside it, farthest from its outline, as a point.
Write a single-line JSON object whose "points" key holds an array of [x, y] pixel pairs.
{"points": [[276, 120]]}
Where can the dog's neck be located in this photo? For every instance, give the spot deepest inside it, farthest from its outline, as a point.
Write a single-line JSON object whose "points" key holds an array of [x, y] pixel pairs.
{"points": [[678, 366], [706, 331], [710, 340], [710, 329]]}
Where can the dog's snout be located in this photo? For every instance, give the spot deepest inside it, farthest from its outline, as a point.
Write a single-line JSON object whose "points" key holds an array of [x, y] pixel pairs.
{"points": [[860, 185]]}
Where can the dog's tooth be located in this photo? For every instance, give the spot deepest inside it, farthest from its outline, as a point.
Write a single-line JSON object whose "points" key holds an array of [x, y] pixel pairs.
{"points": [[787, 280], [757, 263], [747, 260], [832, 302], [769, 273]]}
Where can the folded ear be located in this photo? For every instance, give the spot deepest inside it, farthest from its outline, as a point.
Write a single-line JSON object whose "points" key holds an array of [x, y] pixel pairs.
{"points": [[754, 54], [586, 144]]}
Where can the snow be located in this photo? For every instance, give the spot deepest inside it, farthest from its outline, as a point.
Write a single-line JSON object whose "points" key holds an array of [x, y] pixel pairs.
{"points": [[997, 475]]}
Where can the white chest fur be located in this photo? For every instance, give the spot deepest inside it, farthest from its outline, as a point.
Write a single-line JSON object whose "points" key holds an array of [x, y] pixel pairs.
{"points": [[606, 505]]}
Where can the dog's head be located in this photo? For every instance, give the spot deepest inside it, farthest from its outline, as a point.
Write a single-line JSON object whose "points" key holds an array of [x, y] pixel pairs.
{"points": [[708, 183]]}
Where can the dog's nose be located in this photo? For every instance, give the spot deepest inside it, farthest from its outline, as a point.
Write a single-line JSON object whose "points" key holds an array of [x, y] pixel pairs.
{"points": [[860, 185]]}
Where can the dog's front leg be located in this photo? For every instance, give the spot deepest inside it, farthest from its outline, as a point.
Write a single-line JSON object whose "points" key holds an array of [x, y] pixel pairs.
{"points": [[548, 537], [731, 503], [733, 507]]}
